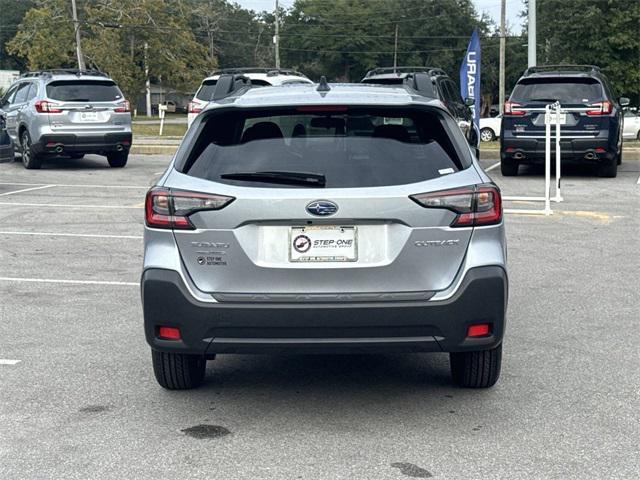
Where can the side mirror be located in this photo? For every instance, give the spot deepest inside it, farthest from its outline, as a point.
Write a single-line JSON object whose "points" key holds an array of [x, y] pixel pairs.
{"points": [[624, 101], [469, 102]]}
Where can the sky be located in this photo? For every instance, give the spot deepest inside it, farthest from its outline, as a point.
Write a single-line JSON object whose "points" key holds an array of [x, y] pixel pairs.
{"points": [[491, 7]]}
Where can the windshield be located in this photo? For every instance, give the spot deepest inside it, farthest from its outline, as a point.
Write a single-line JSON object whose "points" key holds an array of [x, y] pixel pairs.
{"points": [[565, 90], [346, 148], [84, 91]]}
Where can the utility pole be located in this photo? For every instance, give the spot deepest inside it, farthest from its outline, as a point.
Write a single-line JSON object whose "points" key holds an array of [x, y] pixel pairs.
{"points": [[276, 37], [503, 33], [532, 34], [76, 26], [395, 52], [147, 84]]}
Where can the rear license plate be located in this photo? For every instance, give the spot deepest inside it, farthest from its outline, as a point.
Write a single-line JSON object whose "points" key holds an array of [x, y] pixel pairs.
{"points": [[89, 116], [323, 244]]}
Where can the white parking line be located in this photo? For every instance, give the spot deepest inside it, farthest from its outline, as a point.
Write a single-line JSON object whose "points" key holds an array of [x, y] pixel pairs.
{"points": [[25, 190], [69, 282], [495, 165], [87, 235], [638, 182], [73, 185], [6, 361], [59, 205]]}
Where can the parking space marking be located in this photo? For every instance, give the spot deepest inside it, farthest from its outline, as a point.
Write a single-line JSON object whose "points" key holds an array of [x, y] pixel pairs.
{"points": [[25, 190], [59, 205], [638, 182], [74, 185], [68, 282], [87, 235], [495, 165], [6, 361]]}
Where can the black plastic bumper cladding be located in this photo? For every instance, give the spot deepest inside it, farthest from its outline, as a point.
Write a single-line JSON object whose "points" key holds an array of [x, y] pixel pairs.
{"points": [[416, 326], [96, 143]]}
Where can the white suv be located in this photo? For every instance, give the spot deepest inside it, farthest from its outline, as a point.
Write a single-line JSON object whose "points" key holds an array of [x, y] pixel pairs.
{"points": [[261, 77]]}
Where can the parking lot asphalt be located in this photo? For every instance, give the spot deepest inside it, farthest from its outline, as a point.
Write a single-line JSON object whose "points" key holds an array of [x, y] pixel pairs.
{"points": [[78, 399]]}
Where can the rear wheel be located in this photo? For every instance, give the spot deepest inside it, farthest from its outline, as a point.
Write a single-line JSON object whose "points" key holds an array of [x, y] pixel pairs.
{"points": [[487, 135], [177, 371], [509, 168], [609, 168], [479, 369], [117, 160], [30, 159]]}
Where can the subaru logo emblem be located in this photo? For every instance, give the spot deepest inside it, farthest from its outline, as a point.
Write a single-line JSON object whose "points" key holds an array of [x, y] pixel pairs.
{"points": [[322, 208]]}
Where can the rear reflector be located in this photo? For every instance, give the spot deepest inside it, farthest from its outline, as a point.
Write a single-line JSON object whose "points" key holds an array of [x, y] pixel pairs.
{"points": [[478, 330], [169, 333], [476, 206], [166, 208]]}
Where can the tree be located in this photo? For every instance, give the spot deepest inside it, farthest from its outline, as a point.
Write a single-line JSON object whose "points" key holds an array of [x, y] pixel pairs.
{"points": [[603, 33], [13, 12]]}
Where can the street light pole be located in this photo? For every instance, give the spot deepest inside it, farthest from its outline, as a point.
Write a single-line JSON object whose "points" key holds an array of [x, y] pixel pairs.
{"points": [[76, 26], [501, 87], [531, 57]]}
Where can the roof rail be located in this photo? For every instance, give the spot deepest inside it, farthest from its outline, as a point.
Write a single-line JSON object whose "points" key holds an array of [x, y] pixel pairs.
{"points": [[421, 83], [228, 84], [405, 69], [63, 71], [561, 68], [267, 71]]}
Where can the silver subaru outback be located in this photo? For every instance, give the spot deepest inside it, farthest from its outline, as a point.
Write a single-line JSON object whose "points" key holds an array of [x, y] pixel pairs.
{"points": [[324, 218], [53, 113]]}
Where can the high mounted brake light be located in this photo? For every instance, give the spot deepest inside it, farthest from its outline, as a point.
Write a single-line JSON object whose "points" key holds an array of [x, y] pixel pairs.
{"points": [[511, 108], [474, 206], [170, 209]]}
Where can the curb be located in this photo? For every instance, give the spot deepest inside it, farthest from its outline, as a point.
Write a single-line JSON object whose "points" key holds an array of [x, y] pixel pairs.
{"points": [[153, 149]]}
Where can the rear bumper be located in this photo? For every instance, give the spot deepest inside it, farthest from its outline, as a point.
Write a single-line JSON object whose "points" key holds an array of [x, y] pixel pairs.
{"points": [[416, 326], [95, 143], [532, 150]]}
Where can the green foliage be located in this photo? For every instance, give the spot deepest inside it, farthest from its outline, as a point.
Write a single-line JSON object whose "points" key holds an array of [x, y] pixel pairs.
{"points": [[603, 33], [13, 12]]}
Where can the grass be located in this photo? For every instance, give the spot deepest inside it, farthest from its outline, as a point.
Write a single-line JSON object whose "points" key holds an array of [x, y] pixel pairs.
{"points": [[169, 130]]}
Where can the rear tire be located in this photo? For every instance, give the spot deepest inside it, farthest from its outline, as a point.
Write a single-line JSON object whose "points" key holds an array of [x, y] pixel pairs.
{"points": [[117, 160], [487, 135], [609, 169], [509, 168], [177, 371], [30, 159], [479, 369]]}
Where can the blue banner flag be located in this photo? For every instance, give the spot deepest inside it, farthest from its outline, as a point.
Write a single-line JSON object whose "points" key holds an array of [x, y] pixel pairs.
{"points": [[470, 75]]}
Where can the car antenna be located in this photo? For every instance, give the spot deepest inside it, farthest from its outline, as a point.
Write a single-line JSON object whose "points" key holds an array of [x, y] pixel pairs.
{"points": [[323, 86]]}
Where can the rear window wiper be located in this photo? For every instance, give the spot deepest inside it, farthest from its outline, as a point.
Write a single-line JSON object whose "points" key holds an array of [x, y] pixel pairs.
{"points": [[284, 178]]}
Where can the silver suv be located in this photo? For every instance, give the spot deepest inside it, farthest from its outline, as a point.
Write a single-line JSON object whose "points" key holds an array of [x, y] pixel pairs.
{"points": [[324, 218], [67, 112]]}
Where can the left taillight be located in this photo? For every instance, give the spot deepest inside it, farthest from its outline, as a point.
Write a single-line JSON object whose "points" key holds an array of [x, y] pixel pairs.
{"points": [[475, 206], [123, 107], [600, 108], [170, 209], [44, 106]]}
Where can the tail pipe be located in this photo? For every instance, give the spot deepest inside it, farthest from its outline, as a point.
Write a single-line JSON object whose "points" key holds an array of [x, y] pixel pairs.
{"points": [[590, 156], [119, 147], [518, 155]]}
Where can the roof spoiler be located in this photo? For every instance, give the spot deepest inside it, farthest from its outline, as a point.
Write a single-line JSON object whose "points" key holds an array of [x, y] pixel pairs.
{"points": [[561, 68], [383, 70], [63, 71]]}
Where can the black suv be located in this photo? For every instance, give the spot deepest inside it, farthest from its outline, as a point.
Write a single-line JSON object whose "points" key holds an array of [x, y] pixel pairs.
{"points": [[593, 136], [445, 88]]}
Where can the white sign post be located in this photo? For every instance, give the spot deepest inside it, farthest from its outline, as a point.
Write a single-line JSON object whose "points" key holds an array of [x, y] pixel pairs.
{"points": [[161, 111]]}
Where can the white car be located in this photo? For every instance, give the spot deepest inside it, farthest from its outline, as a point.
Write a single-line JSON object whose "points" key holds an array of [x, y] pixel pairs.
{"points": [[631, 129], [490, 128], [262, 77]]}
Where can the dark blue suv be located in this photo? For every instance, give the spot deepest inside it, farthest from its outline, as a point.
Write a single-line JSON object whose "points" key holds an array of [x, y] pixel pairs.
{"points": [[592, 137]]}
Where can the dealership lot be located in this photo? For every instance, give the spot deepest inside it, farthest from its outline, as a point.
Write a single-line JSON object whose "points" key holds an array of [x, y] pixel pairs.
{"points": [[78, 398]]}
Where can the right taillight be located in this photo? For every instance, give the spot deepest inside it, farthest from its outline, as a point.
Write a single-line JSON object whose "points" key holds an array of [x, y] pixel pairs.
{"points": [[474, 206], [600, 108], [170, 209], [194, 107], [44, 106], [512, 108]]}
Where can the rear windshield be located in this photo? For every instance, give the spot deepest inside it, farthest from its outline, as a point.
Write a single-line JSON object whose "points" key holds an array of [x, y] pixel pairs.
{"points": [[84, 91], [352, 147], [564, 90]]}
